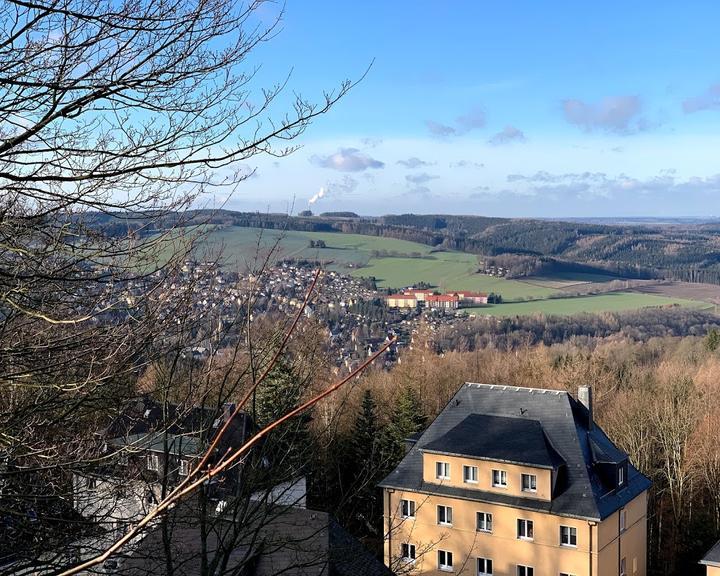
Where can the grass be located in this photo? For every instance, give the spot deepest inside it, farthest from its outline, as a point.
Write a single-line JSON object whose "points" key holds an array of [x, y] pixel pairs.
{"points": [[353, 254], [613, 302]]}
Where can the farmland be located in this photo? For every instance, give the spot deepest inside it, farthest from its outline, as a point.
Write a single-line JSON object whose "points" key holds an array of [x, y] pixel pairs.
{"points": [[394, 263], [399, 263], [612, 302]]}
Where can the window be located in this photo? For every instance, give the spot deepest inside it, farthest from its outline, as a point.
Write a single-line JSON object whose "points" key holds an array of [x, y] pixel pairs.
{"points": [[470, 474], [622, 520], [568, 536], [184, 468], [153, 462], [442, 470], [566, 574], [499, 478], [407, 508], [91, 483], [445, 560], [408, 552], [484, 567], [484, 522], [623, 572], [525, 529], [529, 483], [621, 476], [444, 515], [525, 570]]}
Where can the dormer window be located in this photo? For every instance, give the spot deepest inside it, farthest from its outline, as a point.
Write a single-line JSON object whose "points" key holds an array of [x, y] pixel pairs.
{"points": [[442, 470], [621, 476], [529, 483], [470, 474], [499, 479]]}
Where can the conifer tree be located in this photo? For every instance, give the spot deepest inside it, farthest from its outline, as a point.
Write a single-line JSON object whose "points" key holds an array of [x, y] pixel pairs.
{"points": [[407, 419], [366, 465], [288, 446]]}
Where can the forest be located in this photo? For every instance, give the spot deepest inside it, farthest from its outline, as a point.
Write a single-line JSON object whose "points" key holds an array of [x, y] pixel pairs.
{"points": [[657, 400], [684, 251]]}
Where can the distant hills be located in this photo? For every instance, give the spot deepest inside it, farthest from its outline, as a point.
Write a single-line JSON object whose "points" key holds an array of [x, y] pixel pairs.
{"points": [[678, 249]]}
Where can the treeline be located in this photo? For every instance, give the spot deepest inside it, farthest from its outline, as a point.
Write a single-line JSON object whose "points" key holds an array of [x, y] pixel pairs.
{"points": [[657, 400], [513, 333], [684, 252]]}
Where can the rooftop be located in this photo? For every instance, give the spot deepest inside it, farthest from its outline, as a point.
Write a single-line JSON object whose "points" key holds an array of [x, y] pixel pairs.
{"points": [[712, 558], [562, 421], [498, 438]]}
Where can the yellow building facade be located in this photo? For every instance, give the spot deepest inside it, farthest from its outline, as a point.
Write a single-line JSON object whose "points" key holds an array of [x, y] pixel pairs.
{"points": [[530, 488]]}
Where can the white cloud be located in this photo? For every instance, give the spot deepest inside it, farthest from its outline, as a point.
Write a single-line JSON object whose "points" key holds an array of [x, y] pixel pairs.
{"points": [[347, 160]]}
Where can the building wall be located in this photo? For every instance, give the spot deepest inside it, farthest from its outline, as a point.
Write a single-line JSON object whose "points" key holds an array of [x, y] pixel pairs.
{"points": [[544, 553], [713, 571], [631, 543], [485, 468], [113, 502], [401, 302]]}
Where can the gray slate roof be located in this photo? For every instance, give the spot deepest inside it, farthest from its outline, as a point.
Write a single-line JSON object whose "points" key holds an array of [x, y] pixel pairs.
{"points": [[712, 558], [499, 438], [564, 422]]}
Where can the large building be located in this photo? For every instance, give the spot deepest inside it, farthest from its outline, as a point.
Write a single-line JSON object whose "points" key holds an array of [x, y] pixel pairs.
{"points": [[711, 560], [516, 482]]}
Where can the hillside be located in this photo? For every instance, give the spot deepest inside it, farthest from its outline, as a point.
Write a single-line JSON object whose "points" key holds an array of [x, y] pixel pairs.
{"points": [[683, 251]]}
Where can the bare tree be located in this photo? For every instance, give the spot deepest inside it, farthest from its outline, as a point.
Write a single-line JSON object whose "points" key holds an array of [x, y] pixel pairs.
{"points": [[115, 118]]}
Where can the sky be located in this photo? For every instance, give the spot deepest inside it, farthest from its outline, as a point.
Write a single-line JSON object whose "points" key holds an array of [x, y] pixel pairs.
{"points": [[521, 109]]}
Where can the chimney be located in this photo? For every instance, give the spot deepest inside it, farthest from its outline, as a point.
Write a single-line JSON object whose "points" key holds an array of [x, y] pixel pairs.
{"points": [[585, 398]]}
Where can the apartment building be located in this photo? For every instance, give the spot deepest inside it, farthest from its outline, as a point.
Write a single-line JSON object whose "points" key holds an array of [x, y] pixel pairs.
{"points": [[516, 482], [711, 560]]}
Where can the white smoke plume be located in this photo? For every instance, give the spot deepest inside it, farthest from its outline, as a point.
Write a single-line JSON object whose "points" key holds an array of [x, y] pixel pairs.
{"points": [[317, 196]]}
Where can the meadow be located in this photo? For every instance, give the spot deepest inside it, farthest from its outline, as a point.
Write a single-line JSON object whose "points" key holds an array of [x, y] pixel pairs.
{"points": [[610, 302], [398, 263]]}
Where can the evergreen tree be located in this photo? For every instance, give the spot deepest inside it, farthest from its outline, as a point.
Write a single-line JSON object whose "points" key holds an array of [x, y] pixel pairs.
{"points": [[712, 340], [407, 419], [365, 467], [287, 448]]}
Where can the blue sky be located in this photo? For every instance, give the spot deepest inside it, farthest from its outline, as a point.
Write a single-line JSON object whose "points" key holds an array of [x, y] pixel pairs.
{"points": [[529, 108]]}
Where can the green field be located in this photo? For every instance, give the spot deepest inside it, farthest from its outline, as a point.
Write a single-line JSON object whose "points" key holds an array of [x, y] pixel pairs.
{"points": [[402, 263], [613, 302], [353, 254]]}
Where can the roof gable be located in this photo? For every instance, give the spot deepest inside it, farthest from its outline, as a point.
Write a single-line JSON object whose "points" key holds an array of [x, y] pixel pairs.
{"points": [[582, 493], [497, 438]]}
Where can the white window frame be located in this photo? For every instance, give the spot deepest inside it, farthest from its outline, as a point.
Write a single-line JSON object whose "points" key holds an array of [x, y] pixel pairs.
{"points": [[447, 515], [571, 534], [523, 570], [407, 508], [470, 474], [621, 475], [445, 561], [501, 477], [531, 481], [485, 562], [487, 520], [623, 567], [623, 520], [442, 470], [528, 526], [184, 468], [152, 462], [407, 552]]}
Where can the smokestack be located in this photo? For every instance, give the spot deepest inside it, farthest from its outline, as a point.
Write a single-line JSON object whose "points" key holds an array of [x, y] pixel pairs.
{"points": [[585, 398]]}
